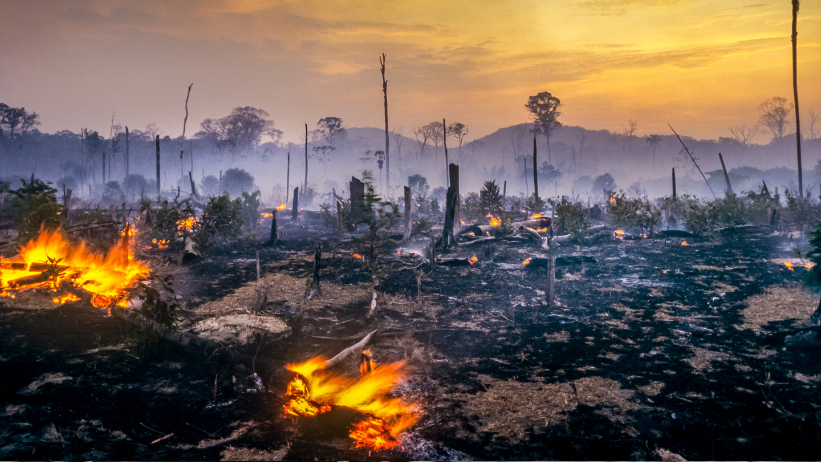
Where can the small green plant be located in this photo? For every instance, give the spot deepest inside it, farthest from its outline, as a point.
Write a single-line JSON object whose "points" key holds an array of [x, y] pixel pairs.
{"points": [[700, 219], [35, 208], [379, 215], [160, 309], [490, 198], [221, 221], [166, 221], [570, 219], [730, 211], [470, 208], [250, 209], [639, 214]]}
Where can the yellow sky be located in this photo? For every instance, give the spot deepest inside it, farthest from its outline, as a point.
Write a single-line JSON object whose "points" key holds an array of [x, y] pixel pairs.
{"points": [[701, 65]]}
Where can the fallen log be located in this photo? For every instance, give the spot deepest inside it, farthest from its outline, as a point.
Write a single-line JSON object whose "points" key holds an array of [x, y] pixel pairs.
{"points": [[455, 262], [745, 230], [358, 346], [595, 232], [570, 260], [674, 233]]}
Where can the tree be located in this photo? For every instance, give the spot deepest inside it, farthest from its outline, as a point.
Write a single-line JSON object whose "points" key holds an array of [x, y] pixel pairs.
{"points": [[813, 132], [459, 131], [773, 115], [14, 124], [436, 133], [397, 140], [653, 140], [795, 6], [581, 137], [604, 183], [135, 184], [235, 181], [490, 198], [419, 185], [548, 173], [330, 129], [422, 135], [210, 186], [239, 131], [743, 134], [382, 61], [545, 110]]}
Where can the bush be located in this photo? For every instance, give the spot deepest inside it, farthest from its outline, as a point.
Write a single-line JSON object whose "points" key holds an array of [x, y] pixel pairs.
{"points": [[470, 209], [35, 207], [250, 209], [221, 221], [570, 219], [730, 211], [639, 214], [698, 218], [167, 218], [604, 183], [235, 181], [490, 199]]}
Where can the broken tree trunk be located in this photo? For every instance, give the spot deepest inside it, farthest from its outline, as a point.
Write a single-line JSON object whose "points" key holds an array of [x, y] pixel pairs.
{"points": [[274, 237], [450, 211], [356, 347], [674, 183], [193, 185], [158, 163], [693, 159], [535, 172], [726, 176], [295, 210], [339, 228], [453, 175], [314, 288], [407, 212], [357, 200]]}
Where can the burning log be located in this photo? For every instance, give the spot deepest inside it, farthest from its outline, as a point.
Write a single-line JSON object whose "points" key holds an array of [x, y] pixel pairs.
{"points": [[746, 230], [472, 229], [356, 347], [675, 233], [456, 262], [28, 280]]}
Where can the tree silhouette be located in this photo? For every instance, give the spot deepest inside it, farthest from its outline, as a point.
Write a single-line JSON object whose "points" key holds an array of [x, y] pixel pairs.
{"points": [[545, 110]]}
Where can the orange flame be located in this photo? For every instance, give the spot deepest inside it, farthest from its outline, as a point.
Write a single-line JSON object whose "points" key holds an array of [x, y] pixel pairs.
{"points": [[619, 232], [474, 259], [527, 262], [809, 265], [612, 200], [356, 255], [104, 276], [538, 215], [495, 221], [266, 215], [788, 265], [187, 224], [542, 230], [367, 393], [684, 243], [281, 207]]}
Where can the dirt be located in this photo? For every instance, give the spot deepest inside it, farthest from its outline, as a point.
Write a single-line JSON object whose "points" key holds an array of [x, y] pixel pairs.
{"points": [[655, 349]]}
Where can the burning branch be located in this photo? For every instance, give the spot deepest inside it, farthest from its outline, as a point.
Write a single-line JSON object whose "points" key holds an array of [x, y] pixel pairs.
{"points": [[360, 345]]}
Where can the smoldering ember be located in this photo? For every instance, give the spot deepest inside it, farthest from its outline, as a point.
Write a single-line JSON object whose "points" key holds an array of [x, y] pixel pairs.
{"points": [[442, 291]]}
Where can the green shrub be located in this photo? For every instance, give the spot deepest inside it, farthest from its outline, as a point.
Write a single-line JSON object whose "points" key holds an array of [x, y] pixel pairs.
{"points": [[490, 199], [730, 211], [35, 207], [639, 214], [570, 219], [250, 209], [221, 222], [167, 217]]}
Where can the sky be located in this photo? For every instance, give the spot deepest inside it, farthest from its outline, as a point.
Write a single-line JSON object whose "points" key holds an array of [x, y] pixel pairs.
{"points": [[700, 65]]}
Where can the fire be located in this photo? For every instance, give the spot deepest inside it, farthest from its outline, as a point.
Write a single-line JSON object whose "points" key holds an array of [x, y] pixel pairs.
{"points": [[161, 244], [494, 221], [527, 262], [281, 207], [542, 230], [356, 255], [187, 224], [266, 215], [314, 390], [105, 276], [619, 233], [809, 265], [474, 259], [684, 243], [612, 200], [788, 265]]}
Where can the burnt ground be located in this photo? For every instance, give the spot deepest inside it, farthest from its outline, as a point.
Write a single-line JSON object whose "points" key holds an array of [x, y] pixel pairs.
{"points": [[656, 350]]}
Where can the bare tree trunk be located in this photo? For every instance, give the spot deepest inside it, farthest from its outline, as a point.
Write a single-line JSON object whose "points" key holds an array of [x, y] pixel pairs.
{"points": [[726, 176], [535, 172], [184, 122], [305, 184], [126, 152], [551, 280], [287, 179], [795, 5], [387, 137], [103, 167], [674, 183], [158, 164], [274, 237], [193, 186], [295, 211], [445, 142], [407, 212], [339, 224]]}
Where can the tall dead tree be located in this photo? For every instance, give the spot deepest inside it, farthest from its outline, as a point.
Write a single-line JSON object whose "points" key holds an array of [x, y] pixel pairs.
{"points": [[535, 173], [158, 164], [387, 137], [295, 210], [357, 189], [693, 159], [273, 239], [305, 184], [288, 179], [450, 208], [453, 177], [674, 183], [103, 167], [184, 122], [726, 176], [795, 5], [445, 142], [126, 151]]}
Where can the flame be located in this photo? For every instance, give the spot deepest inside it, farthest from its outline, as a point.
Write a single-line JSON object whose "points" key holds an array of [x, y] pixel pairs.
{"points": [[281, 207], [266, 215], [612, 200], [65, 299], [684, 243], [474, 259], [495, 221], [788, 265], [356, 255], [619, 232], [542, 230], [527, 262], [368, 394], [105, 276], [809, 265], [187, 224], [538, 215]]}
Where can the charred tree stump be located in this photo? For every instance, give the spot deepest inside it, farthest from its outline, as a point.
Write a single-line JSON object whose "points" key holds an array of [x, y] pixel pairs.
{"points": [[295, 210], [158, 163], [453, 175], [674, 183], [193, 185], [314, 288], [273, 239], [550, 293], [357, 199], [408, 200], [535, 172], [450, 212]]}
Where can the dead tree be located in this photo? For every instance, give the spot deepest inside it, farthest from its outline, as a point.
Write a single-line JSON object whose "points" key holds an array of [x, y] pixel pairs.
{"points": [[407, 212], [453, 176], [387, 137], [273, 238], [126, 151], [67, 205], [674, 183], [795, 5], [184, 122], [339, 224], [305, 184], [535, 173], [193, 186], [357, 200], [314, 287], [693, 159], [726, 176], [445, 142], [158, 164], [450, 212], [295, 210]]}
